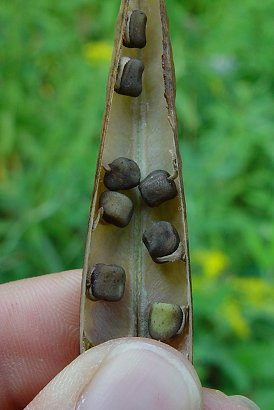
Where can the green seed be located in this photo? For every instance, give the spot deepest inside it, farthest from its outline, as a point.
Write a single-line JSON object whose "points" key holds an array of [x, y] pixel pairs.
{"points": [[122, 173], [129, 78], [157, 188], [161, 239], [106, 282], [165, 321], [117, 208], [135, 35]]}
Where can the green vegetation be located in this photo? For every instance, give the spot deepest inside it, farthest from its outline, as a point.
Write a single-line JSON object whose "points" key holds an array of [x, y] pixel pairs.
{"points": [[54, 64]]}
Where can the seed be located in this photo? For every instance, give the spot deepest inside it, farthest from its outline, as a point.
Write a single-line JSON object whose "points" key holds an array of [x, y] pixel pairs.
{"points": [[106, 282], [135, 35], [122, 173], [165, 321], [161, 240], [117, 208], [179, 254], [129, 78], [157, 188]]}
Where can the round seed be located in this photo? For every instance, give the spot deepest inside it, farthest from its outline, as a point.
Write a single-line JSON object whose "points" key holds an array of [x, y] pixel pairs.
{"points": [[165, 321], [129, 78], [157, 188], [106, 282], [117, 208], [135, 35], [161, 239], [123, 173]]}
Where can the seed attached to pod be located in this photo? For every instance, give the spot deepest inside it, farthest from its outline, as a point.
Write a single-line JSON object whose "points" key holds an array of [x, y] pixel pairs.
{"points": [[165, 321], [135, 35], [122, 173], [117, 208], [106, 282], [129, 77], [157, 188], [162, 240]]}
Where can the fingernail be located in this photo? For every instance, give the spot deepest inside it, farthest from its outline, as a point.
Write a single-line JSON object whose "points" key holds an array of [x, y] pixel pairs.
{"points": [[244, 401], [140, 376]]}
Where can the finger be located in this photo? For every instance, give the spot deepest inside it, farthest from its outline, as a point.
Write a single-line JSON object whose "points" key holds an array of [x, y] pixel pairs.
{"points": [[39, 334], [124, 374], [216, 400], [244, 401]]}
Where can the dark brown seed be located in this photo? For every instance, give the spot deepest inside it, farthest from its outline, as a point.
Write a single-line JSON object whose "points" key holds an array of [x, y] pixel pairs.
{"points": [[165, 321], [106, 282], [129, 78], [157, 188], [124, 174], [117, 208], [161, 239], [135, 35]]}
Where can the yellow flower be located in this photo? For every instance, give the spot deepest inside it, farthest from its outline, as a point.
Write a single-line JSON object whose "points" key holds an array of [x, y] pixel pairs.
{"points": [[232, 314], [256, 292], [97, 52], [213, 263]]}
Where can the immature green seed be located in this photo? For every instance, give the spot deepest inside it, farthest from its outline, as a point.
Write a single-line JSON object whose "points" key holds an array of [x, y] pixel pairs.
{"points": [[129, 78], [161, 239], [135, 35], [86, 343], [117, 208], [157, 188], [165, 321], [122, 173], [105, 282]]}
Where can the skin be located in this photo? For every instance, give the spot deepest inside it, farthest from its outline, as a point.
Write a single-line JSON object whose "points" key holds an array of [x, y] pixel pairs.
{"points": [[40, 336]]}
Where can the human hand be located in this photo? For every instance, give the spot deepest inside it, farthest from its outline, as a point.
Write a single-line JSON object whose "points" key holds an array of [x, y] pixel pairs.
{"points": [[39, 336]]}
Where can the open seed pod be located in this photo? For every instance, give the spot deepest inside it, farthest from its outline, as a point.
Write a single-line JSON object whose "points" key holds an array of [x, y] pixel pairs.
{"points": [[143, 128]]}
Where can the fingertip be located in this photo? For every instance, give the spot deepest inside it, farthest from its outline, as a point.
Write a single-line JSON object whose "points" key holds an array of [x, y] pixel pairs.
{"points": [[217, 400], [126, 373], [40, 333], [244, 401]]}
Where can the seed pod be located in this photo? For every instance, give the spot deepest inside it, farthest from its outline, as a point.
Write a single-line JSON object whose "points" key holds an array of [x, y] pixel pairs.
{"points": [[117, 208], [161, 240], [105, 282], [135, 34], [144, 129], [129, 77], [123, 173], [165, 321], [157, 188]]}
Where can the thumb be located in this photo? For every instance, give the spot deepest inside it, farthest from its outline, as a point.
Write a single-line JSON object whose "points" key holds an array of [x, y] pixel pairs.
{"points": [[124, 374]]}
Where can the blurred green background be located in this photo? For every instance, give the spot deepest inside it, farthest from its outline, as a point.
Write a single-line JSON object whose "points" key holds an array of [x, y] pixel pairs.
{"points": [[54, 65]]}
